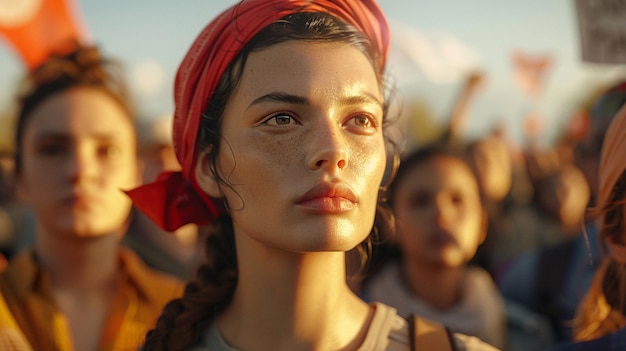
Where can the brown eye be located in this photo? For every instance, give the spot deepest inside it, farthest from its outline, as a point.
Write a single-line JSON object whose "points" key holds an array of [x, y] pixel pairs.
{"points": [[280, 119], [52, 149], [362, 121], [420, 200], [108, 151], [457, 199], [362, 124]]}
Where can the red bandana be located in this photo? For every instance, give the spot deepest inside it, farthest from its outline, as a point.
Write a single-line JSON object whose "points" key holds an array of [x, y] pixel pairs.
{"points": [[175, 199]]}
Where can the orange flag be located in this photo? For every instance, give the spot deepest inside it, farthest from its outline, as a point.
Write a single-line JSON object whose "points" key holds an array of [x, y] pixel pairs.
{"points": [[533, 124], [36, 28], [529, 72]]}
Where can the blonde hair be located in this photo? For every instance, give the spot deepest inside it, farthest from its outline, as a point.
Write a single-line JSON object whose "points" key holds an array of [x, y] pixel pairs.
{"points": [[595, 316]]}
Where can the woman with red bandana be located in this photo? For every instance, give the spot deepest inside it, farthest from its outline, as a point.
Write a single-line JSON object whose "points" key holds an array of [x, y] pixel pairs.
{"points": [[279, 125]]}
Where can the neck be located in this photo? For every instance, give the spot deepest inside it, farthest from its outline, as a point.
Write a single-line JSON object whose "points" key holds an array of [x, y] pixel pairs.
{"points": [[293, 301], [78, 264], [439, 286], [571, 228]]}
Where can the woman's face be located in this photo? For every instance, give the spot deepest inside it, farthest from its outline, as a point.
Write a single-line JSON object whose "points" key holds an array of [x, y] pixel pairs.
{"points": [[303, 147], [439, 216], [78, 153]]}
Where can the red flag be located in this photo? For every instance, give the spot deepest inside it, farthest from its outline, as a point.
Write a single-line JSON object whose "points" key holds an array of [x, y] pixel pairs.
{"points": [[36, 28], [579, 124]]}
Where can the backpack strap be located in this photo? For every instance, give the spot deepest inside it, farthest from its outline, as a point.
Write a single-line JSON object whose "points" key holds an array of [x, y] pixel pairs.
{"points": [[550, 279], [429, 335]]}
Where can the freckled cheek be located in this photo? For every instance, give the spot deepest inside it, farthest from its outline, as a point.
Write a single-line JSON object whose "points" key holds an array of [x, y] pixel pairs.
{"points": [[366, 166], [369, 161], [273, 157], [279, 155]]}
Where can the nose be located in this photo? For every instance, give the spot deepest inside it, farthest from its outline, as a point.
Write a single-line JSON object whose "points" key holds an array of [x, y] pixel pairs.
{"points": [[329, 148], [81, 165], [442, 210]]}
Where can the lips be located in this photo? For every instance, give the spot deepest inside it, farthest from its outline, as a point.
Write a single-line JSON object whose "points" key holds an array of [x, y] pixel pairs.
{"points": [[79, 199], [442, 237], [328, 198]]}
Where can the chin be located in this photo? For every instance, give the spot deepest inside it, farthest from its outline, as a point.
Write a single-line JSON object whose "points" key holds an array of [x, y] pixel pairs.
{"points": [[346, 240], [339, 247], [89, 233], [448, 259], [327, 246], [452, 262], [90, 229], [329, 241]]}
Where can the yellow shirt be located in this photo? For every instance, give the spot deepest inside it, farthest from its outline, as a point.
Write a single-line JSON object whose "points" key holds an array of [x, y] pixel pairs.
{"points": [[28, 312]]}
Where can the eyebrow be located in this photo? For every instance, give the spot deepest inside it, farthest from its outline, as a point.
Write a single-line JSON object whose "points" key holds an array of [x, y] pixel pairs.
{"points": [[64, 137], [278, 96]]}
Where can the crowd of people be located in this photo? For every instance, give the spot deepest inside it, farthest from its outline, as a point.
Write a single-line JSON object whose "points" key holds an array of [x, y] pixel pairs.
{"points": [[273, 209]]}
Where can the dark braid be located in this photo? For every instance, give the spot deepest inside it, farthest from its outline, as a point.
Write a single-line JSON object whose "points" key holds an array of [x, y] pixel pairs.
{"points": [[183, 319]]}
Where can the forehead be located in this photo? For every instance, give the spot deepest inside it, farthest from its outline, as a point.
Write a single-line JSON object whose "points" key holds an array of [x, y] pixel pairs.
{"points": [[309, 68], [78, 112], [440, 172]]}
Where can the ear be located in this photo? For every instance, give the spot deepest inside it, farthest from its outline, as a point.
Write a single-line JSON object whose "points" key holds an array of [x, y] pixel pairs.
{"points": [[141, 165], [205, 175], [19, 187], [617, 250], [484, 226]]}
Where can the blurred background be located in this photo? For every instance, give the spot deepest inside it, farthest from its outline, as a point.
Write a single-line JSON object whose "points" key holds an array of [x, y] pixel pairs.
{"points": [[527, 52]]}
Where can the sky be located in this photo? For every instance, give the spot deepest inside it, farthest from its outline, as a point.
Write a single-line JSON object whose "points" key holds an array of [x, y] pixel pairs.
{"points": [[150, 37]]}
